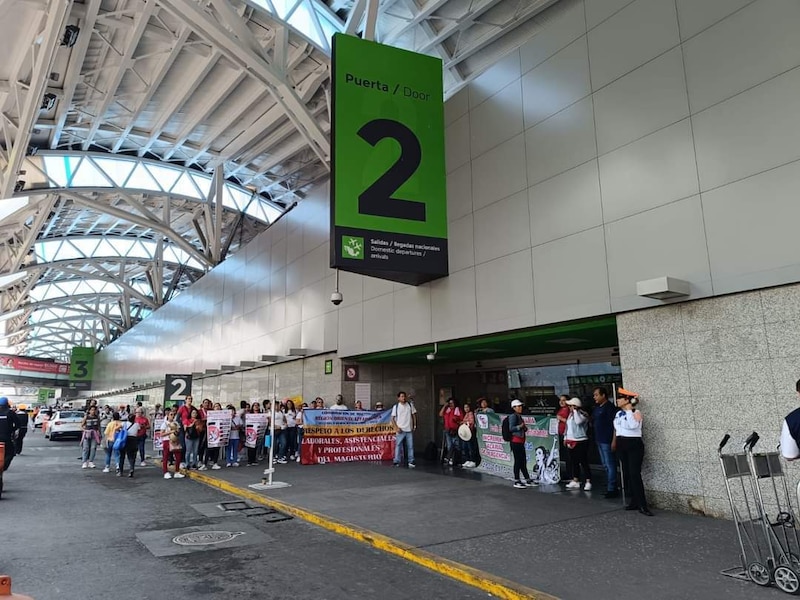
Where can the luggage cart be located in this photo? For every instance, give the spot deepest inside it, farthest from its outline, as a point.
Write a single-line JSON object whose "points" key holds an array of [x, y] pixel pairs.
{"points": [[769, 549]]}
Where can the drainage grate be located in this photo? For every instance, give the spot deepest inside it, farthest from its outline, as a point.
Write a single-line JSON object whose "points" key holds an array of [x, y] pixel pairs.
{"points": [[248, 510]]}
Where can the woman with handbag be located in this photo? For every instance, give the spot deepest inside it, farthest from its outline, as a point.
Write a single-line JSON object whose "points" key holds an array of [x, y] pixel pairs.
{"points": [[109, 436]]}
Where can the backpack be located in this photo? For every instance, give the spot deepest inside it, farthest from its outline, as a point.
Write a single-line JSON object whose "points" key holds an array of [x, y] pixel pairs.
{"points": [[506, 429], [120, 438]]}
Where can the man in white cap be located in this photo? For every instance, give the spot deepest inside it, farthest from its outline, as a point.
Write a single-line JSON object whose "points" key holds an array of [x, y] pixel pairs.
{"points": [[517, 427]]}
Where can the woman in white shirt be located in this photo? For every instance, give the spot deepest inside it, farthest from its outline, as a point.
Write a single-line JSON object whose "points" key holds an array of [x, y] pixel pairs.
{"points": [[291, 430], [280, 433], [299, 420], [629, 447], [576, 439]]}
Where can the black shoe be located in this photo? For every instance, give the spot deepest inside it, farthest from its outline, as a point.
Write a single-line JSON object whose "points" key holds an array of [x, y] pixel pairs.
{"points": [[130, 474], [645, 512], [631, 507], [611, 494]]}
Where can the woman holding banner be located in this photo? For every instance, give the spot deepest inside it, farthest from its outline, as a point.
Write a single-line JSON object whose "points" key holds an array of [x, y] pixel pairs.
{"points": [[212, 454]]}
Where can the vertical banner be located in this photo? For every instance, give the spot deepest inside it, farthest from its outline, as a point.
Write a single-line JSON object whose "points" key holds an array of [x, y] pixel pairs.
{"points": [[176, 388], [81, 366], [346, 436], [255, 427], [218, 426], [388, 187], [541, 447]]}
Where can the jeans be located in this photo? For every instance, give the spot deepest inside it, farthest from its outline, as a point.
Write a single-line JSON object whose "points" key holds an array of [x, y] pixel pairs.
{"points": [[607, 458], [299, 440], [109, 448], [407, 438], [452, 443], [291, 440], [89, 445], [232, 451], [191, 452], [142, 442], [280, 448], [520, 460]]}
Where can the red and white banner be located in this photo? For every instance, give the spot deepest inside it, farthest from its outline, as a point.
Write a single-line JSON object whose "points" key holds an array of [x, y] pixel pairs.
{"points": [[20, 363], [331, 436]]}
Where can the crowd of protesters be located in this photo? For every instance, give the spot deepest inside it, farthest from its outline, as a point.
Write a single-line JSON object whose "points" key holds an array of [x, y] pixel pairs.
{"points": [[124, 433]]}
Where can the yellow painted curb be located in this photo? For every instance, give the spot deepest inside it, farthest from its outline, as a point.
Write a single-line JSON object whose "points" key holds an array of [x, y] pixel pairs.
{"points": [[497, 586]]}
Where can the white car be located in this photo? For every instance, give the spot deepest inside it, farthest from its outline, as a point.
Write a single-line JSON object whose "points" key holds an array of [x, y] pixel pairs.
{"points": [[64, 423], [40, 419]]}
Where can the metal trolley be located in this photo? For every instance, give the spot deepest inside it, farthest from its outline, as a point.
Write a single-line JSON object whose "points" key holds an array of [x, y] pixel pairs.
{"points": [[769, 547]]}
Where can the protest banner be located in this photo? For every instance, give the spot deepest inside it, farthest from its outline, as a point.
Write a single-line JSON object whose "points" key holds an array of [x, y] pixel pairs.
{"points": [[157, 425], [541, 447], [218, 427], [255, 426], [346, 435]]}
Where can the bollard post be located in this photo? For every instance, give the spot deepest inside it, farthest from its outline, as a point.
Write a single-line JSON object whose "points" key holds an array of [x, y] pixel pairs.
{"points": [[5, 589]]}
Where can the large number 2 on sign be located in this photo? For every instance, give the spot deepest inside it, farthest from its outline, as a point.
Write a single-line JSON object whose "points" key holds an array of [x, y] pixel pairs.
{"points": [[180, 386], [377, 199]]}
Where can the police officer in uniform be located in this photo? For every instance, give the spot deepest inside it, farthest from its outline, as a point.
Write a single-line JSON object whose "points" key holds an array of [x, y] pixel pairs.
{"points": [[8, 428], [22, 431]]}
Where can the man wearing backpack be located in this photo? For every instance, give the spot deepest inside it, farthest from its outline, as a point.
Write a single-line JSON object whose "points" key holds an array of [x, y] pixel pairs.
{"points": [[517, 428]]}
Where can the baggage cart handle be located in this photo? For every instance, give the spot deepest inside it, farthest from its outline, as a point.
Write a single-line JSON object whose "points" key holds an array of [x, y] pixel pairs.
{"points": [[751, 441], [723, 442]]}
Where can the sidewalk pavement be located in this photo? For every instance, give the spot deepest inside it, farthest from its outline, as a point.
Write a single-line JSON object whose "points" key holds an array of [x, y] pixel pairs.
{"points": [[573, 545]]}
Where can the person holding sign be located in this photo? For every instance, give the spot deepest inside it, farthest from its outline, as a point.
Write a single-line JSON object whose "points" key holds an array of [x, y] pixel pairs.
{"points": [[233, 439], [171, 446], [404, 421], [517, 427]]}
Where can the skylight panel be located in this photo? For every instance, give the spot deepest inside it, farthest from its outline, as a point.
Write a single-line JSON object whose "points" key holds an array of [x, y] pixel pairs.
{"points": [[88, 175], [117, 169], [141, 179], [186, 187], [304, 21], [203, 183], [165, 176], [56, 169]]}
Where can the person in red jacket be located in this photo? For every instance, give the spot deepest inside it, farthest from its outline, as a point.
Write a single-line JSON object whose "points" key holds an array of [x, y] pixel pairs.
{"points": [[184, 418], [452, 416]]}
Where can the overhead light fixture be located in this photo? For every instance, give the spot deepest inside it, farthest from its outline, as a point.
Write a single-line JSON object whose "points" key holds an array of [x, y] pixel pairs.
{"points": [[663, 288], [70, 35], [19, 186], [228, 368], [268, 358], [48, 101], [297, 351]]}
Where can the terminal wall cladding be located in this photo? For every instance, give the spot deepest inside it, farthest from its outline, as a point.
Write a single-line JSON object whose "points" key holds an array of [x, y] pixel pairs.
{"points": [[612, 147]]}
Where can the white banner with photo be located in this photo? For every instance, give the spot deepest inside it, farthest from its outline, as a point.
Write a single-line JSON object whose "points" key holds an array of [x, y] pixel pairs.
{"points": [[218, 427]]}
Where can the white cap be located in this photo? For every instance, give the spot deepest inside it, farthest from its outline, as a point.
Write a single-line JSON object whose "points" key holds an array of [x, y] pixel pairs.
{"points": [[575, 402], [515, 403]]}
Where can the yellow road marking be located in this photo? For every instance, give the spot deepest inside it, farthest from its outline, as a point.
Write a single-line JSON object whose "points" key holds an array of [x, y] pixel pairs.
{"points": [[497, 586]]}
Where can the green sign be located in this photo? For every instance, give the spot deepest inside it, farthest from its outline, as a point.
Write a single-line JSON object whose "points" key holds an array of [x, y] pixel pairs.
{"points": [[388, 188], [328, 367], [541, 447], [45, 394], [81, 365]]}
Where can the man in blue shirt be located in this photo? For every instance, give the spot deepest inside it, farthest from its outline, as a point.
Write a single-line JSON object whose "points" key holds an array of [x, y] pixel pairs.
{"points": [[603, 419]]}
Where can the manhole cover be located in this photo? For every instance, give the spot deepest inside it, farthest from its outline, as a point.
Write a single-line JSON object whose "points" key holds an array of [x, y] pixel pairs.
{"points": [[274, 517], [205, 538]]}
